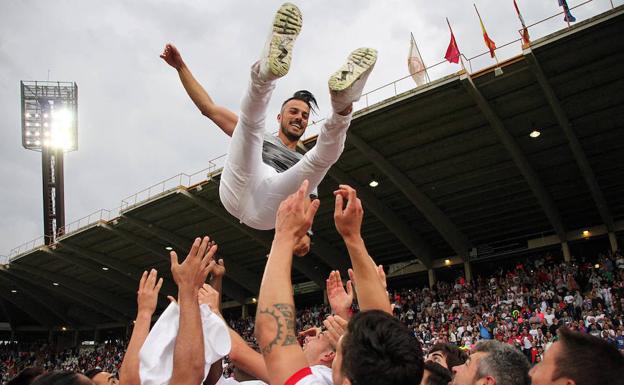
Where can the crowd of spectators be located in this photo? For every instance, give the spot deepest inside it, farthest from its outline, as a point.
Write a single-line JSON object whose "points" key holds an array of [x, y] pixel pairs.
{"points": [[16, 356], [522, 306]]}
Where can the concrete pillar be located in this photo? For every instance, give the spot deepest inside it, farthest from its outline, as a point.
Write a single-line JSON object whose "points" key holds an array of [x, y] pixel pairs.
{"points": [[325, 299], [244, 311], [50, 336], [76, 338], [613, 242], [12, 335], [468, 271], [96, 335], [432, 277], [566, 251]]}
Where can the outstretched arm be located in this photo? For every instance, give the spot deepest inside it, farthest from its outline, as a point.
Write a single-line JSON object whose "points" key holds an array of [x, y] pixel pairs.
{"points": [[211, 295], [147, 298], [221, 116], [370, 291], [275, 318], [190, 275], [247, 359]]}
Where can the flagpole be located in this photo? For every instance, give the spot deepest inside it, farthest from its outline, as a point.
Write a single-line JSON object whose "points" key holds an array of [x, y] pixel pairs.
{"points": [[526, 39], [420, 56], [481, 22], [457, 45], [565, 14], [478, 14]]}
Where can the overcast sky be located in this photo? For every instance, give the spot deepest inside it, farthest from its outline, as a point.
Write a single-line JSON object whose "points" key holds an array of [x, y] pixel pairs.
{"points": [[136, 125]]}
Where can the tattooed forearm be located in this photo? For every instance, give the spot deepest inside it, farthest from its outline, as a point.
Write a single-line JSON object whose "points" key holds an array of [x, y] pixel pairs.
{"points": [[288, 311], [282, 315], [275, 318]]}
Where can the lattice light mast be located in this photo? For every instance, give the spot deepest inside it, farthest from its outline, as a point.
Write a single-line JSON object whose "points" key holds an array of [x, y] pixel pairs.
{"points": [[50, 126]]}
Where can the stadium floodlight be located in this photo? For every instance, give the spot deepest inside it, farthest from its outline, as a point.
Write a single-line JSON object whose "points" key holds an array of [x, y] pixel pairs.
{"points": [[50, 126], [53, 106]]}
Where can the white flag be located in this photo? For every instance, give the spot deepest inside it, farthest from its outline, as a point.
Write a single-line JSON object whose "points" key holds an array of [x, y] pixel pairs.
{"points": [[415, 64]]}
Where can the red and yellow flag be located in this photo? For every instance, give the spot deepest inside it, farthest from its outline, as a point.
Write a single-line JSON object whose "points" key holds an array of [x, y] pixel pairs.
{"points": [[489, 43]]}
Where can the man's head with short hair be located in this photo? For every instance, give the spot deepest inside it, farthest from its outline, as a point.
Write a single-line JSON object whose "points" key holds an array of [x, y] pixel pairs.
{"points": [[62, 378], [294, 115], [447, 355], [435, 374], [377, 349], [579, 359], [493, 363], [318, 350], [26, 376], [101, 377]]}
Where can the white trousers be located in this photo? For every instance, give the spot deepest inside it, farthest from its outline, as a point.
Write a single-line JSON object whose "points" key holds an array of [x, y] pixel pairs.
{"points": [[250, 190]]}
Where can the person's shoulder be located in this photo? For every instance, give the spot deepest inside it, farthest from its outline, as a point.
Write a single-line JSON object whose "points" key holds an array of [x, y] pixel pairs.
{"points": [[323, 374], [268, 137], [305, 376]]}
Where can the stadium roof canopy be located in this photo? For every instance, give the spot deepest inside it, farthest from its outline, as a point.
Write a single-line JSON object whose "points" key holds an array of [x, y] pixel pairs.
{"points": [[459, 177]]}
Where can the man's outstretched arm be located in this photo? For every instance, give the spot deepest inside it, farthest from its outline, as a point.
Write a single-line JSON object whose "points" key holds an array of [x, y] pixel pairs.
{"points": [[190, 275], [147, 299], [370, 291], [221, 116], [247, 359], [275, 318]]}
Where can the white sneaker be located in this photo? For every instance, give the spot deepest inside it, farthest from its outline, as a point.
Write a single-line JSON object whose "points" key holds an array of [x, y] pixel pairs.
{"points": [[346, 84], [277, 53]]}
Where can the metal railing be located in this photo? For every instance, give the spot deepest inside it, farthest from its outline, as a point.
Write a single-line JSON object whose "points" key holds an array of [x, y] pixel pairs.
{"points": [[26, 246], [441, 69], [173, 183], [94, 217]]}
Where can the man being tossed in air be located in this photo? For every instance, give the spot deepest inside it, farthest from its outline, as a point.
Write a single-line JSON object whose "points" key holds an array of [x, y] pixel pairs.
{"points": [[251, 189]]}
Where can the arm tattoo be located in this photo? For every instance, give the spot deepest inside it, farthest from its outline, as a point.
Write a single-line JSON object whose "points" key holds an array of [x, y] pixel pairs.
{"points": [[283, 315]]}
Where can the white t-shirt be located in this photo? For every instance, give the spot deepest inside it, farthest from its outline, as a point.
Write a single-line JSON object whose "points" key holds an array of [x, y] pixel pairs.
{"points": [[304, 376], [232, 381], [549, 318], [321, 373]]}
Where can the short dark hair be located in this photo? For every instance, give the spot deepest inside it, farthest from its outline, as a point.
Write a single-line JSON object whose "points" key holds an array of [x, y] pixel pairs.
{"points": [[503, 362], [454, 355], [306, 97], [93, 372], [62, 378], [438, 374], [26, 376], [588, 360], [379, 349]]}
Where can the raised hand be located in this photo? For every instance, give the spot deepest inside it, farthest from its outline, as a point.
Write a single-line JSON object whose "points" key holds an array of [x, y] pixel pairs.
{"points": [[336, 327], [339, 299], [311, 332], [209, 296], [348, 218], [219, 269], [381, 274], [292, 217], [147, 296], [199, 262], [172, 56]]}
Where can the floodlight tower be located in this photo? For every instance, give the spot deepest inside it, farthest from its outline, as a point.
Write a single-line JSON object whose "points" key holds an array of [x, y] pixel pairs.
{"points": [[50, 126]]}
